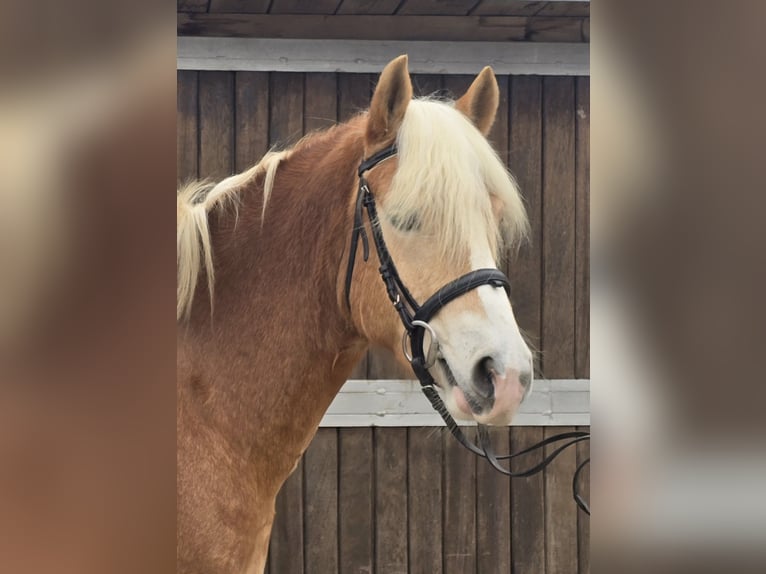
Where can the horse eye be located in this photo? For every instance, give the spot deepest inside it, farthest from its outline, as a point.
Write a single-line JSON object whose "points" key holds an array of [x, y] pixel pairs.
{"points": [[408, 223]]}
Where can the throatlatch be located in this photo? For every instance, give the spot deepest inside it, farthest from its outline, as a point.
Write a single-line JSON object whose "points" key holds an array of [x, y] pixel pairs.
{"points": [[415, 319]]}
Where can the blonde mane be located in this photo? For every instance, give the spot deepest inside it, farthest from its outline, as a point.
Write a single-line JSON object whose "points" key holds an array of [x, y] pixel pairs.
{"points": [[194, 202], [447, 177]]}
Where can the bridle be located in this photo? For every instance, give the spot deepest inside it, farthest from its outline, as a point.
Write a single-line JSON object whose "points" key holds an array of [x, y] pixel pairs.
{"points": [[415, 318]]}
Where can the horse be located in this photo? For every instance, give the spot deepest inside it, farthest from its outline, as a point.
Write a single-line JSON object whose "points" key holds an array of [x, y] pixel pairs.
{"points": [[271, 322]]}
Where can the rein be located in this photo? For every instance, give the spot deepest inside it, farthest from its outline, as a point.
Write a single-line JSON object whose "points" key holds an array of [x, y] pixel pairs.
{"points": [[415, 319]]}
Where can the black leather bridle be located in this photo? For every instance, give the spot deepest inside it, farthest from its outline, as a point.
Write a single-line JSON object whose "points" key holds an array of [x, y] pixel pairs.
{"points": [[415, 319]]}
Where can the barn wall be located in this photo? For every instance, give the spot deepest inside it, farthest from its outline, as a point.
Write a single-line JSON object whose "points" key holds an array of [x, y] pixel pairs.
{"points": [[411, 499]]}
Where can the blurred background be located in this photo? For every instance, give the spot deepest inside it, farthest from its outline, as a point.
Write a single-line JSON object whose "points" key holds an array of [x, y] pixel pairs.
{"points": [[87, 157]]}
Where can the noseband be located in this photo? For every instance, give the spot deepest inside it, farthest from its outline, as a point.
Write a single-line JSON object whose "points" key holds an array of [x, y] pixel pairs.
{"points": [[415, 318]]}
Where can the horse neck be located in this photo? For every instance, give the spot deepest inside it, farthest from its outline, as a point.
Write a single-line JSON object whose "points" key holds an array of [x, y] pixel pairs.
{"points": [[279, 344]]}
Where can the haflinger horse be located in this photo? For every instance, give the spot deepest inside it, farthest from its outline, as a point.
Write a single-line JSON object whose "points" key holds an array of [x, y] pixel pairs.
{"points": [[267, 333]]}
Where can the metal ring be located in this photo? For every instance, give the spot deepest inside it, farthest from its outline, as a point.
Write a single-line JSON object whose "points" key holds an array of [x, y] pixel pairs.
{"points": [[433, 348]]}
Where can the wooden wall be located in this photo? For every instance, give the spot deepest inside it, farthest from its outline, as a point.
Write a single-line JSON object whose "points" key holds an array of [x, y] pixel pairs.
{"points": [[410, 499]]}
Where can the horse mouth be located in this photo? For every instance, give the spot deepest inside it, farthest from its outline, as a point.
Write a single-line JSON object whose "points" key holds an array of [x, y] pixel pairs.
{"points": [[473, 402]]}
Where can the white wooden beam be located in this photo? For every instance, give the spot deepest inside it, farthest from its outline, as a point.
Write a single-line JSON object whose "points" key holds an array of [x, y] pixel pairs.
{"points": [[367, 56], [387, 403]]}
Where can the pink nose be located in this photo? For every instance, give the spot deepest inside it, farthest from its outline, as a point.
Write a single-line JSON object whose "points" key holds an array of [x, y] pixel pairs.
{"points": [[497, 396]]}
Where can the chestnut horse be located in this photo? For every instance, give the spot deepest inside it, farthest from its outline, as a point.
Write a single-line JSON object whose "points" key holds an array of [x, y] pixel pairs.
{"points": [[266, 337]]}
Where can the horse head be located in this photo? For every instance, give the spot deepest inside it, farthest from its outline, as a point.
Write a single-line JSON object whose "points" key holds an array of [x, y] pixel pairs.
{"points": [[446, 207]]}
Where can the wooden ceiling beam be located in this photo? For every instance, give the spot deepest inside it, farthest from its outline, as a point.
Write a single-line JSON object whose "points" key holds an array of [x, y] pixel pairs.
{"points": [[445, 28]]}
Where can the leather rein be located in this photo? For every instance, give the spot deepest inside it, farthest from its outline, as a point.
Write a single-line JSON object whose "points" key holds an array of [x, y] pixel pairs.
{"points": [[415, 319]]}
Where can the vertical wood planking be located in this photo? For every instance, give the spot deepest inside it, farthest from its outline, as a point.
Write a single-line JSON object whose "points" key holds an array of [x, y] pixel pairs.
{"points": [[583, 520], [354, 91], [456, 84], [582, 248], [286, 549], [558, 327], [216, 124], [286, 108], [426, 84], [527, 505], [459, 526], [320, 486], [320, 101], [355, 500], [187, 126], [251, 104], [525, 149], [493, 511], [285, 127], [390, 500], [498, 137], [560, 509], [424, 495], [381, 364]]}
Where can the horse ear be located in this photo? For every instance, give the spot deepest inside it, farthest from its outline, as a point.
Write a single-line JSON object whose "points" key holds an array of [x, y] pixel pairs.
{"points": [[389, 102], [480, 102]]}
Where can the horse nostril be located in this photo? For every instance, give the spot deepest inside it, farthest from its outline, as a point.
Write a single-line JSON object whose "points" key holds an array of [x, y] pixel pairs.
{"points": [[525, 379], [482, 377]]}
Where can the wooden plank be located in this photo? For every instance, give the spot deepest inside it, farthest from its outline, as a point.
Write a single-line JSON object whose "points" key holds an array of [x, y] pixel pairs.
{"points": [[381, 364], [286, 546], [216, 124], [565, 9], [368, 6], [192, 5], [459, 508], [554, 30], [427, 84], [370, 56], [187, 126], [354, 93], [525, 159], [286, 109], [390, 500], [507, 8], [558, 327], [455, 85], [582, 229], [424, 491], [239, 6], [493, 512], [320, 465], [251, 101], [320, 106], [527, 505], [303, 7], [437, 7], [498, 135], [560, 510], [583, 520], [445, 28], [355, 501]]}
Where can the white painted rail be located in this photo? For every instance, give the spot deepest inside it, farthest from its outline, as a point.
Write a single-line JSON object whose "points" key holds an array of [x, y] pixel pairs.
{"points": [[394, 403], [370, 56]]}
